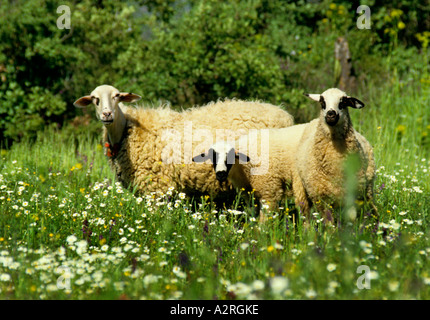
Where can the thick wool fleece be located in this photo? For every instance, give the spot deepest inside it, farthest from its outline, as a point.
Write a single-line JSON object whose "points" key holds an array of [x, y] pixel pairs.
{"points": [[152, 160], [237, 117], [278, 177], [320, 160]]}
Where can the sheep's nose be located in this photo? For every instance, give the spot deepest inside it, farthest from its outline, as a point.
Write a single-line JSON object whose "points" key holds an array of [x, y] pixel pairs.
{"points": [[331, 113], [221, 176], [106, 117], [332, 117]]}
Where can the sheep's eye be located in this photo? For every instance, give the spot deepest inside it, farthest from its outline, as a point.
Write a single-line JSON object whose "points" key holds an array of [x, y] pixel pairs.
{"points": [[96, 100], [322, 101], [116, 96]]}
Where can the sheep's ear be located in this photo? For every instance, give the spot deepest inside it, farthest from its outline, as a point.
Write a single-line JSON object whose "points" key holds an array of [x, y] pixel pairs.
{"points": [[82, 102], [313, 96], [128, 97], [201, 157], [355, 103], [242, 157]]}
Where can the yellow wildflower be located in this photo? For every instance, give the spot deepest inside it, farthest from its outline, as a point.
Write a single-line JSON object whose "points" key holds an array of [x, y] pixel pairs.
{"points": [[401, 128], [396, 13]]}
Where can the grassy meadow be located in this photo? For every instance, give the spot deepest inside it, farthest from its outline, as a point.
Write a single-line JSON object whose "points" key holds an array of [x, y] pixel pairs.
{"points": [[69, 231]]}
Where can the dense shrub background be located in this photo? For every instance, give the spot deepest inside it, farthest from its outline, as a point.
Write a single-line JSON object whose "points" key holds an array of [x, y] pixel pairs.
{"points": [[191, 52]]}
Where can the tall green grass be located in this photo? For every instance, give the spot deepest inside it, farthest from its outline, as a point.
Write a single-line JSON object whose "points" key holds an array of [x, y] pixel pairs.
{"points": [[67, 230]]}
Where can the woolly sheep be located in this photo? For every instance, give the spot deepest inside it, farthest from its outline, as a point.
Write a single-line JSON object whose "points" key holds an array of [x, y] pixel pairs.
{"points": [[305, 161], [323, 149], [151, 148], [261, 162]]}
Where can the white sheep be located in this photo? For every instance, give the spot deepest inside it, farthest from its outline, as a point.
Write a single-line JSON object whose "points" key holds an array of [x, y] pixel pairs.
{"points": [[151, 148], [304, 161], [326, 144]]}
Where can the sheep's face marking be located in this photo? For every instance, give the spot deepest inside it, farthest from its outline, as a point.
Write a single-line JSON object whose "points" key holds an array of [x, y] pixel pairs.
{"points": [[223, 156], [106, 99], [334, 103]]}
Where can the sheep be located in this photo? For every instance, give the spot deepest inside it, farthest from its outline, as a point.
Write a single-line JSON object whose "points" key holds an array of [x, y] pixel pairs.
{"points": [[305, 161], [325, 145], [150, 149], [259, 163]]}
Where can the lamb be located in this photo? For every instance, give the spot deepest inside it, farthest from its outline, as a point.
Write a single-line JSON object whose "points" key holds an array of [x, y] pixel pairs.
{"points": [[151, 148], [261, 163], [304, 161]]}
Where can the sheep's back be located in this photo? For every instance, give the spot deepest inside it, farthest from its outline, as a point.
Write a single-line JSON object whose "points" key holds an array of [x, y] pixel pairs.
{"points": [[276, 175], [239, 114]]}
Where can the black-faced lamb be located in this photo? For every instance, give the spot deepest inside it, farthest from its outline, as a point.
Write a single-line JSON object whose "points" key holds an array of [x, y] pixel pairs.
{"points": [[260, 163]]}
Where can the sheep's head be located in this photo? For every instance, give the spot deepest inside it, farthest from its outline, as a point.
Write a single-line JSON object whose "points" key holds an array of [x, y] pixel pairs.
{"points": [[223, 157], [106, 99], [334, 103]]}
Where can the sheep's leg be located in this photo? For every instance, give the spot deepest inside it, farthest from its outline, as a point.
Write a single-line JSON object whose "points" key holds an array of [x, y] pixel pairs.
{"points": [[255, 205], [262, 218], [271, 196], [273, 206], [267, 202], [301, 198], [252, 200], [375, 213], [368, 185], [369, 199], [370, 177]]}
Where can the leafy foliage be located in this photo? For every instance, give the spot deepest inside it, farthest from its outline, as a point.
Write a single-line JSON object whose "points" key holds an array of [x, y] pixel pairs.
{"points": [[192, 51]]}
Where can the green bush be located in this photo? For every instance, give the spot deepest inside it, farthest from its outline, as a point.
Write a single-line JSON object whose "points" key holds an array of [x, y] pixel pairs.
{"points": [[45, 68], [193, 51], [215, 50]]}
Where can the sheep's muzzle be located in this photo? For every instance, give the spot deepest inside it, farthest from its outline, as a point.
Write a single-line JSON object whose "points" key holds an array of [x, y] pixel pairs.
{"points": [[221, 176], [106, 117], [107, 122], [332, 117]]}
